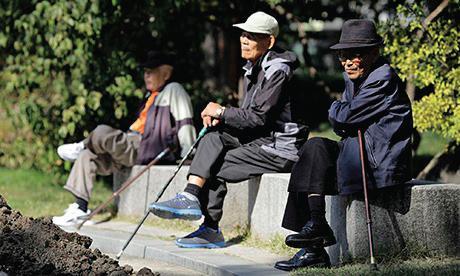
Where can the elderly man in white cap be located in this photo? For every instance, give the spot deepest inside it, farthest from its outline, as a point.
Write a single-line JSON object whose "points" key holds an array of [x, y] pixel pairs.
{"points": [[261, 136]]}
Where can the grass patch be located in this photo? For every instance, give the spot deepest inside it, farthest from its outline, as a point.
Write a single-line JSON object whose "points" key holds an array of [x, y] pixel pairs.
{"points": [[275, 244], [33, 193], [431, 144], [423, 266], [324, 130]]}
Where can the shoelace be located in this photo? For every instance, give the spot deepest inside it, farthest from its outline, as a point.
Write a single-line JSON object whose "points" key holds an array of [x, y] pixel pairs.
{"points": [[69, 208], [181, 200]]}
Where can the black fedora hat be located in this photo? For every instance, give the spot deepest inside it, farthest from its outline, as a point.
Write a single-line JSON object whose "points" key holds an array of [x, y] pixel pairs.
{"points": [[156, 58], [358, 33]]}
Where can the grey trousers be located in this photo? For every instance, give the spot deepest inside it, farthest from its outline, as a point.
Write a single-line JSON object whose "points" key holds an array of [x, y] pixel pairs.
{"points": [[106, 150], [221, 158]]}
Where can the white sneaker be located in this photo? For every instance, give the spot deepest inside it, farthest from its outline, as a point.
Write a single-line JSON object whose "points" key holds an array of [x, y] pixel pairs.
{"points": [[70, 152], [73, 216]]}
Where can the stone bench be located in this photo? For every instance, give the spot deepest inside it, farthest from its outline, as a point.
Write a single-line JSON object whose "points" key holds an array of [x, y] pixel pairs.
{"points": [[424, 216]]}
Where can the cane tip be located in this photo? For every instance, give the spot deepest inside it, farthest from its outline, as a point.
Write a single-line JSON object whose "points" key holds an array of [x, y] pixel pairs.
{"points": [[374, 267], [119, 255]]}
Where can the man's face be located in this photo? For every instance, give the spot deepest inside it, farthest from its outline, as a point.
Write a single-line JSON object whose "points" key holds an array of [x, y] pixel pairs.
{"points": [[253, 45], [155, 78], [357, 62]]}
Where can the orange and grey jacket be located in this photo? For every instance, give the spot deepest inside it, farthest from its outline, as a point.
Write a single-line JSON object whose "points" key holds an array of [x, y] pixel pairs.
{"points": [[169, 122]]}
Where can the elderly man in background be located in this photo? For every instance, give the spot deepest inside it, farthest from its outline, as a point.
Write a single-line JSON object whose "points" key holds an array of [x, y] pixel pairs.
{"points": [[165, 119], [261, 136]]}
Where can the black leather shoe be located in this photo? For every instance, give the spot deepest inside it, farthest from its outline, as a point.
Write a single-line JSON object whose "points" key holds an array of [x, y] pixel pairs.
{"points": [[306, 257], [312, 234]]}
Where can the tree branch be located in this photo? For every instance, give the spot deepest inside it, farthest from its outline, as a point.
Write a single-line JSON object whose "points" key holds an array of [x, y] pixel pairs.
{"points": [[435, 13]]}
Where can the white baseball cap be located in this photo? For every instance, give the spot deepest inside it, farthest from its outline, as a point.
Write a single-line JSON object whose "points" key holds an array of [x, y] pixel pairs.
{"points": [[260, 22]]}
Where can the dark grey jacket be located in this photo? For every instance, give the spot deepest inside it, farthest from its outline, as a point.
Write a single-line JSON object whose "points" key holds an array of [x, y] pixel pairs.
{"points": [[266, 108], [380, 107]]}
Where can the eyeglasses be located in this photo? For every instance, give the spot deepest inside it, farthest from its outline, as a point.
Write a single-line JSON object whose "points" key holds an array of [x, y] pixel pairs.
{"points": [[355, 55]]}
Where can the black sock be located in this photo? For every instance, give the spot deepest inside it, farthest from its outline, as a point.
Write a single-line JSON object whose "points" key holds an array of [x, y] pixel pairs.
{"points": [[193, 189], [317, 206], [82, 204], [211, 224]]}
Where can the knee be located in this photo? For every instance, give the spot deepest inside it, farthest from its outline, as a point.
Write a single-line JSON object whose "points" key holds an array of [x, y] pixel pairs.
{"points": [[98, 137], [85, 155], [101, 130], [211, 137], [312, 144]]}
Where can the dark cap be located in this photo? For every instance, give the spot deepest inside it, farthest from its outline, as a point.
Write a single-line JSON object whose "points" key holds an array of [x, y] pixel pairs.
{"points": [[358, 33], [156, 58]]}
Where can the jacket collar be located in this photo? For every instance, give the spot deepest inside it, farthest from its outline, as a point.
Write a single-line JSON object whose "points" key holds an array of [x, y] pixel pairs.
{"points": [[253, 69]]}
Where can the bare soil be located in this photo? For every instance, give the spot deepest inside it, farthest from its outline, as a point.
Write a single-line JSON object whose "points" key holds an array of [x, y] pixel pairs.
{"points": [[31, 246]]}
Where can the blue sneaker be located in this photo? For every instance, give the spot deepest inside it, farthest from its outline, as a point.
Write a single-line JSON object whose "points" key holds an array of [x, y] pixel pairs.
{"points": [[204, 237], [183, 206]]}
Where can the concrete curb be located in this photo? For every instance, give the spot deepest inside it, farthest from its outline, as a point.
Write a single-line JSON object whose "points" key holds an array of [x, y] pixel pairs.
{"points": [[217, 262]]}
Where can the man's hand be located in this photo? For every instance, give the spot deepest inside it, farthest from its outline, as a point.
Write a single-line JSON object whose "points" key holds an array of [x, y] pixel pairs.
{"points": [[210, 121], [209, 114], [210, 110]]}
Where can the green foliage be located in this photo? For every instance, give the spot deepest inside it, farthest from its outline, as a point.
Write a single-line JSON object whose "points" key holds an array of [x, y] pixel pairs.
{"points": [[67, 66], [48, 49], [63, 72], [429, 56]]}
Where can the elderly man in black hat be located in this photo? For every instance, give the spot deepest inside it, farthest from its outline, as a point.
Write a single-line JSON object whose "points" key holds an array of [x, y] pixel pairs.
{"points": [[165, 118], [375, 102]]}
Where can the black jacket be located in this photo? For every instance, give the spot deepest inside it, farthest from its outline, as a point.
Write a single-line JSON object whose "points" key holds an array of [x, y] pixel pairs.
{"points": [[380, 107], [266, 108]]}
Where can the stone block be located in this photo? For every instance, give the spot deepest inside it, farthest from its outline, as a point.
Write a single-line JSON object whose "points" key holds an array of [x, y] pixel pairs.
{"points": [[132, 201], [420, 217], [423, 215], [235, 204], [336, 214], [268, 197]]}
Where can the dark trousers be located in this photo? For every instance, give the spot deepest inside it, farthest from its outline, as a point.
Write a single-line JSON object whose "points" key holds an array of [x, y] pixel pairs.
{"points": [[314, 173], [221, 158]]}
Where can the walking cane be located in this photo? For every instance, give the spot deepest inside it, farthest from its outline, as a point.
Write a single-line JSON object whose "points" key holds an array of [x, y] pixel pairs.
{"points": [[124, 186], [366, 201], [160, 193]]}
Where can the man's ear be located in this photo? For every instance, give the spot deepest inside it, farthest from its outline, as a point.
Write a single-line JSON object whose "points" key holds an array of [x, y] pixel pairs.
{"points": [[272, 41], [167, 71]]}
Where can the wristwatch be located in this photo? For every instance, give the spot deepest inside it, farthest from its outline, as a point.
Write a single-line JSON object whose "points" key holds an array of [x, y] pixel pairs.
{"points": [[220, 112]]}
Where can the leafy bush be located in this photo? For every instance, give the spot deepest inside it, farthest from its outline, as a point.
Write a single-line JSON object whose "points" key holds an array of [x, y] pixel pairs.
{"points": [[67, 66], [427, 54]]}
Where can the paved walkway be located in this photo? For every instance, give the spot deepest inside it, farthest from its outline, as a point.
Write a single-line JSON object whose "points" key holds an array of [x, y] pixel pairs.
{"points": [[155, 248], [165, 269]]}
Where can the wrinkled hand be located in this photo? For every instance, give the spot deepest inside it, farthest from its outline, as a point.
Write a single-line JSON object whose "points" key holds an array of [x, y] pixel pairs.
{"points": [[210, 121], [210, 110], [208, 114]]}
